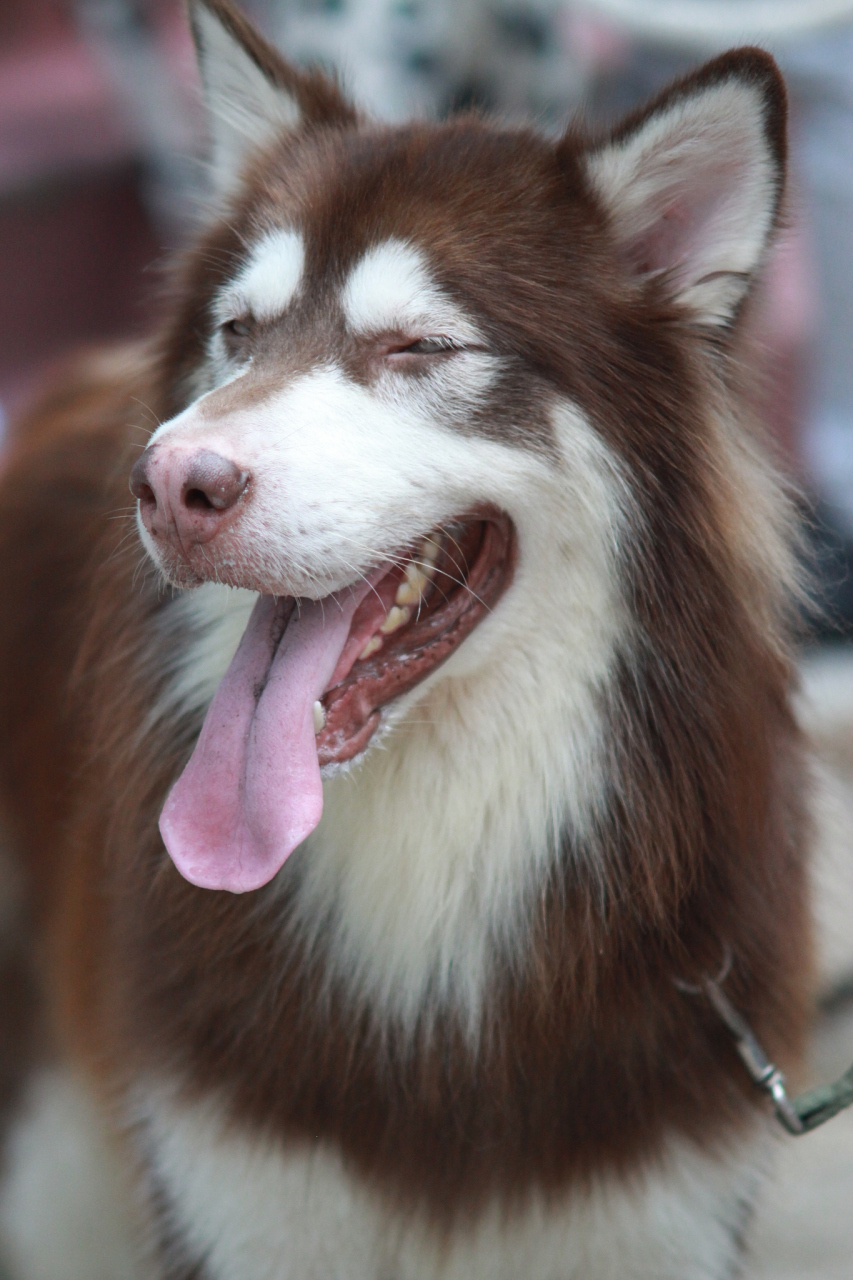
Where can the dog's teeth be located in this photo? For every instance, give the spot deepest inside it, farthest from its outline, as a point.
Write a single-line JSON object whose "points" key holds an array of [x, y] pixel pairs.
{"points": [[417, 579], [396, 618], [319, 717], [430, 548], [372, 646]]}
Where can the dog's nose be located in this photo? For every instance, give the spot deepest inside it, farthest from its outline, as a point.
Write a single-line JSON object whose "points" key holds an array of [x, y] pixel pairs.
{"points": [[186, 494]]}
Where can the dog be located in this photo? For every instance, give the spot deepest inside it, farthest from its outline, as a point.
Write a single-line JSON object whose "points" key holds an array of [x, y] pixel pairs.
{"points": [[374, 817]]}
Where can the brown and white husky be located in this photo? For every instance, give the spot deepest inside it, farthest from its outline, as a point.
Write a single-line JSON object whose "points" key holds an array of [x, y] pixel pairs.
{"points": [[350, 948]]}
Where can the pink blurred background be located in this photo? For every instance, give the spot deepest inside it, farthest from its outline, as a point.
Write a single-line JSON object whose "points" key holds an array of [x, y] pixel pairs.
{"points": [[82, 220]]}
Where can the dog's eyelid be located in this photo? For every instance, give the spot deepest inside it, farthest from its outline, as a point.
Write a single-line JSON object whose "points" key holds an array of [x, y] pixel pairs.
{"points": [[430, 344], [437, 344], [238, 326]]}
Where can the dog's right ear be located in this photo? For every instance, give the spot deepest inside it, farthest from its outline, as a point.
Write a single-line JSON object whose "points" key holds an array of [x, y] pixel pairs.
{"points": [[252, 94]]}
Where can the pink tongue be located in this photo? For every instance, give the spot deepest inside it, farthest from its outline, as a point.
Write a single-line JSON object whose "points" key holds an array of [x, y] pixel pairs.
{"points": [[251, 791]]}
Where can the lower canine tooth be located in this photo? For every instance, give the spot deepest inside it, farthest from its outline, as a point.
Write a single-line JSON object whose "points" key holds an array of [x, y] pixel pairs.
{"points": [[319, 717], [372, 646], [396, 618]]}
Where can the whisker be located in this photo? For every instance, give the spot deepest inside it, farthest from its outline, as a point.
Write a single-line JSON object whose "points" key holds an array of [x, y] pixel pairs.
{"points": [[137, 426]]}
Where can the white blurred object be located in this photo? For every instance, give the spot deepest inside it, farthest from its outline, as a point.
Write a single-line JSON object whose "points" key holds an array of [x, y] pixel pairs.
{"points": [[415, 57], [715, 22], [160, 105], [828, 450], [825, 712]]}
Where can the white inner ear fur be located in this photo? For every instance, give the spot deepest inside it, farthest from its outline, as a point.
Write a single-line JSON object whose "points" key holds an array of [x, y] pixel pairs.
{"points": [[269, 281], [692, 193], [391, 288], [245, 109]]}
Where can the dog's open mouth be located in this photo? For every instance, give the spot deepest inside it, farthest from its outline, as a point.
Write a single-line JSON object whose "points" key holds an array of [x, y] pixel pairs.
{"points": [[306, 688], [415, 616]]}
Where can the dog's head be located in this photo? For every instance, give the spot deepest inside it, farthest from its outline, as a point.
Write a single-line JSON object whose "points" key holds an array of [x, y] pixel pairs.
{"points": [[418, 372]]}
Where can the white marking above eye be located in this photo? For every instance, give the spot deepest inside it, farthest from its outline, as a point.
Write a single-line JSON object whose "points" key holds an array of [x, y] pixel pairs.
{"points": [[268, 282], [391, 287]]}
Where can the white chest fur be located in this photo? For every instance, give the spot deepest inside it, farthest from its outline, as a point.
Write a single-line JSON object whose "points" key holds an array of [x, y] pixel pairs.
{"points": [[256, 1211]]}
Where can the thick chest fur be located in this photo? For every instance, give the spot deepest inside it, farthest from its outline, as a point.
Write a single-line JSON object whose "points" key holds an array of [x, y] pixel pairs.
{"points": [[300, 1213], [227, 1204], [581, 1060]]}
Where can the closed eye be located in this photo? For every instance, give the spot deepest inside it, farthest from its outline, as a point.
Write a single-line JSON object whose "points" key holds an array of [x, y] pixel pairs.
{"points": [[237, 328], [434, 345]]}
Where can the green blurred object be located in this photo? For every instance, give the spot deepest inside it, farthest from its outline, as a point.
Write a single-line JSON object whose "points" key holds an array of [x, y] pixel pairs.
{"points": [[823, 1103], [796, 1115]]}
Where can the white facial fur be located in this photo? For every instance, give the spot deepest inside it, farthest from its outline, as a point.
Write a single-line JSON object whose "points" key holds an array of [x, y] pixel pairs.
{"points": [[270, 280], [343, 475], [258, 1212], [429, 860], [391, 288], [430, 853]]}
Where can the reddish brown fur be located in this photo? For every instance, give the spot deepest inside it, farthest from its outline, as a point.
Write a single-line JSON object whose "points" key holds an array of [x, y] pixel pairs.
{"points": [[589, 1055]]}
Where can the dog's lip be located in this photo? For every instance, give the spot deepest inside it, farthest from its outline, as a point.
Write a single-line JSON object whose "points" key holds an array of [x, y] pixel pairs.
{"points": [[473, 569]]}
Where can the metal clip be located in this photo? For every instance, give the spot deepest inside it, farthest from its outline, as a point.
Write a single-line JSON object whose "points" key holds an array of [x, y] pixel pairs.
{"points": [[797, 1115], [765, 1074]]}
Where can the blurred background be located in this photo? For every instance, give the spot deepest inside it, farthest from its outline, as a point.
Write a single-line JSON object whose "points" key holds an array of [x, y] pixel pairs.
{"points": [[102, 174], [101, 140]]}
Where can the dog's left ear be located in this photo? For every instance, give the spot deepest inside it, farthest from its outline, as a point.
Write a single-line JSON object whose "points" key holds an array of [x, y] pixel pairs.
{"points": [[692, 184], [252, 94]]}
